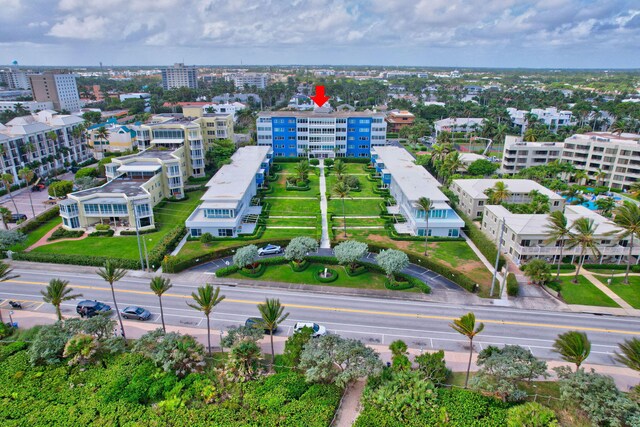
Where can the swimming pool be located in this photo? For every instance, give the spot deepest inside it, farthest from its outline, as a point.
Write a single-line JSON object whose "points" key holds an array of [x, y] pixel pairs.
{"points": [[589, 204]]}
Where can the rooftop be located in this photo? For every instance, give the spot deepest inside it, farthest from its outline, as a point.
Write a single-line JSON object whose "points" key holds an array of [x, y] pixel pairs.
{"points": [[459, 121], [232, 180], [631, 138], [476, 187], [320, 114], [128, 187], [413, 180], [536, 224], [149, 153]]}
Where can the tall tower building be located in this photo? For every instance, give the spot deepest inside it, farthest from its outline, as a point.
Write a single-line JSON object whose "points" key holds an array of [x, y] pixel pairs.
{"points": [[179, 76], [57, 87]]}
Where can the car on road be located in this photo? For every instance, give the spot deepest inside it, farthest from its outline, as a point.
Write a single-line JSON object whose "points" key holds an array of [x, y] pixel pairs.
{"points": [[90, 308], [318, 330], [135, 312], [270, 250], [38, 187], [17, 217], [256, 322]]}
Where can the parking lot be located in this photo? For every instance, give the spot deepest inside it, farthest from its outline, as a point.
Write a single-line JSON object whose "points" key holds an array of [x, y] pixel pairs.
{"points": [[22, 202]]}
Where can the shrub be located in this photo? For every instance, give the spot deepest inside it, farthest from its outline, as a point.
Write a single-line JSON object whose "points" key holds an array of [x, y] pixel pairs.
{"points": [[538, 271], [206, 238], [332, 278], [241, 333], [512, 285], [106, 233], [253, 273], [45, 216], [140, 232], [173, 352], [102, 227], [63, 233], [84, 172], [329, 162], [397, 285], [486, 246], [531, 414], [294, 345], [48, 345], [314, 162], [60, 188], [433, 367], [5, 330], [93, 260]]}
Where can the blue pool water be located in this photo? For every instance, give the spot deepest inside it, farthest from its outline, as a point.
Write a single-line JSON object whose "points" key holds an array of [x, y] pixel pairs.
{"points": [[591, 205]]}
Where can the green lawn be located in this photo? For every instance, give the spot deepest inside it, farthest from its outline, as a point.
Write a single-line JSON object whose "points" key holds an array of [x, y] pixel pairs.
{"points": [[292, 222], [167, 216], [355, 207], [630, 293], [583, 293], [338, 220], [37, 234], [351, 169], [280, 189], [366, 187], [284, 273], [293, 207]]}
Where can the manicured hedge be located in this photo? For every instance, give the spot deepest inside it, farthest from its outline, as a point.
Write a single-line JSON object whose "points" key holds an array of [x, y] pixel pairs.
{"points": [[512, 285], [63, 233], [333, 278], [87, 260], [28, 226], [486, 246], [253, 274], [102, 233], [133, 232]]}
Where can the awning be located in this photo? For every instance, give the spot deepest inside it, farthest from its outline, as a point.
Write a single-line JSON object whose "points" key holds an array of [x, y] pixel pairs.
{"points": [[139, 168]]}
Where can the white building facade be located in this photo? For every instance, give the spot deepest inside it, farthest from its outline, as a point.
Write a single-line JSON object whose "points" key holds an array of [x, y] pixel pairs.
{"points": [[179, 75], [518, 154]]}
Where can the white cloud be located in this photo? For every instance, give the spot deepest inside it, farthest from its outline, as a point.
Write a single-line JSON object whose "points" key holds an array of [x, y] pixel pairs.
{"points": [[88, 28]]}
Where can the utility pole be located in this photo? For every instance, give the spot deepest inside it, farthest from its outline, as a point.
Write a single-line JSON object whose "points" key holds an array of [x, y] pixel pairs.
{"points": [[495, 270], [146, 254], [135, 216]]}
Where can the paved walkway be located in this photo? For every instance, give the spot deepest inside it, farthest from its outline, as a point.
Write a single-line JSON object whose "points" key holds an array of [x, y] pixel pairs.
{"points": [[605, 289], [43, 240], [489, 265], [350, 406], [325, 242]]}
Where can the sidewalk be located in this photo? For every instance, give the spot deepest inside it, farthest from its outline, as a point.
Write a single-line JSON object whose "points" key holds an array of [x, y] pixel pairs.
{"points": [[625, 378], [325, 242]]}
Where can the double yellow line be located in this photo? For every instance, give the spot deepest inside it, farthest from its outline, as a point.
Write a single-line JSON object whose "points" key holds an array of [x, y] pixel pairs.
{"points": [[354, 310]]}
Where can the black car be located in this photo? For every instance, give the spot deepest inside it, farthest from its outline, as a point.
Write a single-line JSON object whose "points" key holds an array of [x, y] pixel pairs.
{"points": [[89, 308], [17, 217], [135, 312], [256, 322]]}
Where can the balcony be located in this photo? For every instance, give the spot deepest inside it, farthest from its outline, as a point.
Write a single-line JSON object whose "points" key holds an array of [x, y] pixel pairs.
{"points": [[555, 250]]}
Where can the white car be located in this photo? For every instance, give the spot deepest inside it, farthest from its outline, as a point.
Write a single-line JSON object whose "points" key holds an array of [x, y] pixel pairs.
{"points": [[318, 330], [270, 250]]}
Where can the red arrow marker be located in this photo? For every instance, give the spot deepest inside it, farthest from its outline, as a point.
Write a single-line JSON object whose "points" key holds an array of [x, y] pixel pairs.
{"points": [[320, 98]]}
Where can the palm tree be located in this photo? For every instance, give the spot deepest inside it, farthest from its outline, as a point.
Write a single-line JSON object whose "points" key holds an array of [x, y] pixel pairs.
{"points": [[27, 175], [627, 218], [600, 176], [159, 285], [111, 274], [341, 190], [573, 347], [630, 353], [452, 163], [302, 170], [426, 205], [618, 127], [340, 169], [557, 231], [498, 193], [58, 292], [7, 181], [102, 135], [5, 216], [583, 235], [580, 177], [531, 135], [272, 315], [6, 273], [466, 325], [635, 188], [205, 301]]}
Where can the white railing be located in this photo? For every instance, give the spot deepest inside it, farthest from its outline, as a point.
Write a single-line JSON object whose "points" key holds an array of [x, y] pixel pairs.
{"points": [[555, 250]]}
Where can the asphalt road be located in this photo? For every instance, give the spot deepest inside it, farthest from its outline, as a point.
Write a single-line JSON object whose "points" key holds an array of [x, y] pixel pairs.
{"points": [[377, 321]]}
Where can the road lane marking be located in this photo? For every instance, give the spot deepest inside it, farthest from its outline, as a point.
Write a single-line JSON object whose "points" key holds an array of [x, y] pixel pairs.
{"points": [[356, 310]]}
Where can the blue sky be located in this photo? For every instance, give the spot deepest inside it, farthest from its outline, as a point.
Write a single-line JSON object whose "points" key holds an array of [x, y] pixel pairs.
{"points": [[474, 33]]}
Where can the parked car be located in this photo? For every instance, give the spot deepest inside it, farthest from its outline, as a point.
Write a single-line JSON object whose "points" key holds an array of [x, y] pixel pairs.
{"points": [[270, 250], [135, 312], [17, 217], [256, 322], [89, 308], [38, 187], [318, 330]]}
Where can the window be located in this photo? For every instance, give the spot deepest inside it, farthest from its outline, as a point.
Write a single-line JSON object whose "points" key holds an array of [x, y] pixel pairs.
{"points": [[225, 232], [196, 232], [453, 232], [219, 213], [143, 210]]}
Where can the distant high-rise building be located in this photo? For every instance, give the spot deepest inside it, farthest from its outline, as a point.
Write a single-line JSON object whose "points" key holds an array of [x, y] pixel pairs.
{"points": [[57, 87], [14, 79], [246, 80], [179, 76]]}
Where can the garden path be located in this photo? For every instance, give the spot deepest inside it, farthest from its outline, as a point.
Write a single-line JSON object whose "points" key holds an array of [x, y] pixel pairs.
{"points": [[605, 289], [325, 242], [43, 240], [350, 408]]}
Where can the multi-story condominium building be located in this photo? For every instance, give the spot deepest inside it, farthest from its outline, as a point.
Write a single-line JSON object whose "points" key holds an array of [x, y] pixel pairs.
{"points": [[518, 154], [228, 208], [551, 117], [472, 198], [57, 87], [15, 79], [320, 134], [179, 75], [119, 138], [525, 235], [398, 119], [141, 181], [618, 156], [214, 125], [226, 108], [458, 124], [43, 141], [408, 182], [247, 80], [171, 132], [30, 106]]}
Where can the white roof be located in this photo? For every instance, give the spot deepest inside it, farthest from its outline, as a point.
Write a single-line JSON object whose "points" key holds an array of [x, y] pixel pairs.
{"points": [[460, 121], [414, 180], [536, 224], [232, 181], [470, 157], [139, 167], [476, 187]]}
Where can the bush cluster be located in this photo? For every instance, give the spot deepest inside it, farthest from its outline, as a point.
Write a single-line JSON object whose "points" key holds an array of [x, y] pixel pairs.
{"points": [[512, 285], [60, 258], [63, 233], [29, 226], [103, 233], [486, 246]]}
